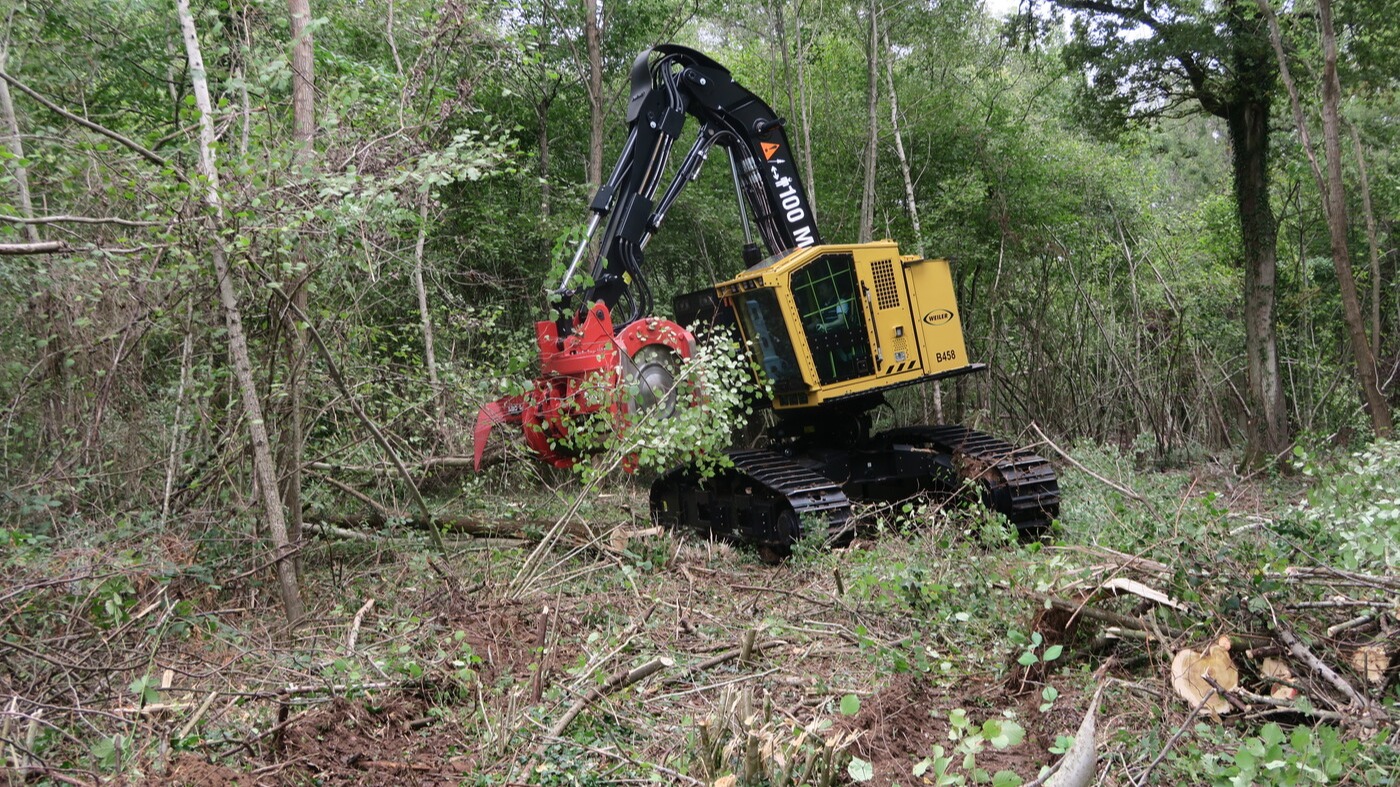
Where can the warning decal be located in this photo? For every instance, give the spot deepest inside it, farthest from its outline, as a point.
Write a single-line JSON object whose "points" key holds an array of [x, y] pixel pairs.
{"points": [[769, 148]]}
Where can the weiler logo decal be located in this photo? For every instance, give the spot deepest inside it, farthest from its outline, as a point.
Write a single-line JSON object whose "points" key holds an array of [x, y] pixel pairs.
{"points": [[937, 317]]}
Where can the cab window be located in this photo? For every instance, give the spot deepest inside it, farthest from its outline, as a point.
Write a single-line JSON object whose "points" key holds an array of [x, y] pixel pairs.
{"points": [[826, 294]]}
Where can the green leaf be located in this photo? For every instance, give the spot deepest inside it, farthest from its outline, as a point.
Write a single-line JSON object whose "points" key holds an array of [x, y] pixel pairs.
{"points": [[850, 705], [859, 770], [1006, 779], [1002, 734], [1053, 652]]}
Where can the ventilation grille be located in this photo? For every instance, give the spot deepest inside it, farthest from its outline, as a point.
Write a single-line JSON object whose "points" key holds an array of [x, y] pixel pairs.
{"points": [[886, 293]]}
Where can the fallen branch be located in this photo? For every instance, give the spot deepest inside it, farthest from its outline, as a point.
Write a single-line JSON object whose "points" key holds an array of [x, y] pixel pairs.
{"points": [[1063, 455], [1234, 701], [616, 682], [198, 714], [728, 655], [82, 220], [1332, 575], [468, 544], [1360, 621], [357, 494], [42, 247], [1277, 705], [1289, 640], [333, 370], [355, 627], [511, 528], [426, 464], [1076, 768], [1125, 621]]}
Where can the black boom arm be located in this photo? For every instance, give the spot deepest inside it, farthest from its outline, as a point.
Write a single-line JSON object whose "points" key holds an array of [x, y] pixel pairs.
{"points": [[680, 82]]}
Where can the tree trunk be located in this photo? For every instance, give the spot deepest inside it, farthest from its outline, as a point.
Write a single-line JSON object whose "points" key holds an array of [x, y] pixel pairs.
{"points": [[16, 146], [904, 169], [303, 81], [780, 23], [263, 469], [542, 143], [872, 136], [1372, 242], [1366, 375], [593, 37], [1248, 124], [806, 114], [425, 315], [936, 403], [304, 134]]}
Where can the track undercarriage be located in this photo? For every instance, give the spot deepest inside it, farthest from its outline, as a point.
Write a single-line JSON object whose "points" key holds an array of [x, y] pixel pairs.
{"points": [[769, 496]]}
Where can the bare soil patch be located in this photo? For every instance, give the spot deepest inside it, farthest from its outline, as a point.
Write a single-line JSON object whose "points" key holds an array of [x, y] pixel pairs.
{"points": [[902, 722]]}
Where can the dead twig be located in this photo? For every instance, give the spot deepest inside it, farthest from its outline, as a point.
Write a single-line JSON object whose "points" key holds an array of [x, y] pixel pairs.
{"points": [[1289, 640], [355, 627], [616, 682], [1224, 692], [728, 655], [1064, 455]]}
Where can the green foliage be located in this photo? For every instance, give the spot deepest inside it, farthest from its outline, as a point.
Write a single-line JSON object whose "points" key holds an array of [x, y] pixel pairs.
{"points": [[1032, 653], [1275, 757], [958, 766], [714, 392], [1353, 509]]}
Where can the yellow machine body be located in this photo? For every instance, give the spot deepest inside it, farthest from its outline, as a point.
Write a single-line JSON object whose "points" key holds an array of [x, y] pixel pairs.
{"points": [[838, 322]]}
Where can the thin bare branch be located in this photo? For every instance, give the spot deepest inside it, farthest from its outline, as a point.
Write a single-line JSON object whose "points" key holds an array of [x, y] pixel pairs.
{"points": [[82, 220], [88, 124]]}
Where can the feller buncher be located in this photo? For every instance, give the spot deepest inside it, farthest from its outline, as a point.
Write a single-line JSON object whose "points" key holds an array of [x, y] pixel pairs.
{"points": [[833, 327]]}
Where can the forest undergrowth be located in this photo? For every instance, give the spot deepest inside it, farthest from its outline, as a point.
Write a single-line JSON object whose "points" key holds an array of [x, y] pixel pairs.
{"points": [[933, 650]]}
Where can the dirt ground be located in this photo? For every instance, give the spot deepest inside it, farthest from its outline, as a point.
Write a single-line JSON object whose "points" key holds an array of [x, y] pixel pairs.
{"points": [[532, 658]]}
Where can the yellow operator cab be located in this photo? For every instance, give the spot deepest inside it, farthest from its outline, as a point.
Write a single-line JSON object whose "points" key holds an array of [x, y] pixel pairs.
{"points": [[836, 322]]}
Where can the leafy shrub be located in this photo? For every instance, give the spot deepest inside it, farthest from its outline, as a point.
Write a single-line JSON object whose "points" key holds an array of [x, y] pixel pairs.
{"points": [[1354, 509], [1276, 757]]}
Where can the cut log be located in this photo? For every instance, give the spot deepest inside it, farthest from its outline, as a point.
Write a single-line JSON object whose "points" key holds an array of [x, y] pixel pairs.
{"points": [[1189, 671]]}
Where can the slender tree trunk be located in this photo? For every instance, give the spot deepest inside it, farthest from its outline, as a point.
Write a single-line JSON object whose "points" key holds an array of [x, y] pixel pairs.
{"points": [[806, 114], [904, 169], [781, 24], [936, 402], [425, 315], [1366, 375], [304, 134], [303, 81], [593, 38], [542, 144], [1330, 186], [392, 38], [16, 145], [1371, 241], [872, 136], [263, 468]]}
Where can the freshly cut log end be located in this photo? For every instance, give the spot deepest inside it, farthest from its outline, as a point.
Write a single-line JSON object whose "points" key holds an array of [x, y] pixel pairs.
{"points": [[1190, 668], [1371, 662]]}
